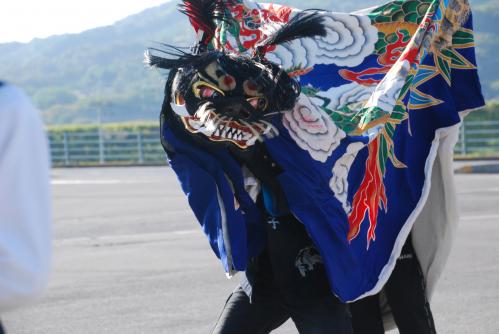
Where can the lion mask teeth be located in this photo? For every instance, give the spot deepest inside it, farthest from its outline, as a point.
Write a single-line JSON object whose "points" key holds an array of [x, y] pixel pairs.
{"points": [[219, 129]]}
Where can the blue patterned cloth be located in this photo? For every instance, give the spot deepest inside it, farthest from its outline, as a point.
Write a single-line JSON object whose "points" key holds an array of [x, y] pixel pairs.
{"points": [[378, 94]]}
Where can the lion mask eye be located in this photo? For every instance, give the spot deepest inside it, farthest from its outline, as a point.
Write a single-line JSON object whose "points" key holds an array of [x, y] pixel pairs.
{"points": [[208, 92], [258, 103], [204, 90]]}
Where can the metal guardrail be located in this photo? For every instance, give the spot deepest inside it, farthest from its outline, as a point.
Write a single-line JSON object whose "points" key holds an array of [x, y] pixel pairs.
{"points": [[478, 138], [102, 147]]}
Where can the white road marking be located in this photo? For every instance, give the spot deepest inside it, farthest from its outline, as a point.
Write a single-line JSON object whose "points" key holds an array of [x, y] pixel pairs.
{"points": [[96, 182], [123, 238], [477, 191], [79, 182], [480, 217]]}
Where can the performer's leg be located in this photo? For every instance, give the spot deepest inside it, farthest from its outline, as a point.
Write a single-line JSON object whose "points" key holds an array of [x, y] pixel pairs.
{"points": [[366, 316], [239, 316], [406, 293], [301, 280], [324, 316]]}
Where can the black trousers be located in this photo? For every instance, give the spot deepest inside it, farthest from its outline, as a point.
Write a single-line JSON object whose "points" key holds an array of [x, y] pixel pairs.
{"points": [[287, 280], [239, 316], [2, 331], [406, 294]]}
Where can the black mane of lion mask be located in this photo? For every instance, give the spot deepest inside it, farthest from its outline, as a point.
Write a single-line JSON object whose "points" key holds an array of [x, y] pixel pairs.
{"points": [[223, 97]]}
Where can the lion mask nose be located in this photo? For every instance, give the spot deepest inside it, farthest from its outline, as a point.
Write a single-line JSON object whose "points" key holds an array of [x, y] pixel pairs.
{"points": [[236, 109]]}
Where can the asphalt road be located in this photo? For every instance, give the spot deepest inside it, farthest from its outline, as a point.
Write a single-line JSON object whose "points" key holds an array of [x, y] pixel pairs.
{"points": [[130, 258]]}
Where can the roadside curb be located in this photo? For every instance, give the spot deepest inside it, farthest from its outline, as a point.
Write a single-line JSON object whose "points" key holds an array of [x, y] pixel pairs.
{"points": [[478, 169]]}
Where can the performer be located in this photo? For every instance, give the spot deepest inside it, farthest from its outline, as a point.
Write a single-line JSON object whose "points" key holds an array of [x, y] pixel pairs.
{"points": [[25, 222], [405, 293], [307, 143]]}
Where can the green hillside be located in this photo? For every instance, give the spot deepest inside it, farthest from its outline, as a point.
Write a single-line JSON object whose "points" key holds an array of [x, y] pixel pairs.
{"points": [[73, 77]]}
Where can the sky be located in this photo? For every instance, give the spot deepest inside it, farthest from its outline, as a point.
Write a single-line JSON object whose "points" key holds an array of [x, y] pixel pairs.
{"points": [[23, 20]]}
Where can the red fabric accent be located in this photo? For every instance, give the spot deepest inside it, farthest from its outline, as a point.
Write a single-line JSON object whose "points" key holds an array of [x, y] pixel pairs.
{"points": [[369, 198]]}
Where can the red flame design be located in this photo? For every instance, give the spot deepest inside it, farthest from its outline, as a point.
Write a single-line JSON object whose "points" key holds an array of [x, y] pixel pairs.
{"points": [[370, 197]]}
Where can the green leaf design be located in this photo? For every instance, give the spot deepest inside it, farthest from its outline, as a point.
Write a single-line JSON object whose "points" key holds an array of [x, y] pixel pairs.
{"points": [[455, 59], [346, 119], [370, 115], [383, 154], [463, 38], [443, 66], [399, 113], [407, 85], [310, 90], [390, 130]]}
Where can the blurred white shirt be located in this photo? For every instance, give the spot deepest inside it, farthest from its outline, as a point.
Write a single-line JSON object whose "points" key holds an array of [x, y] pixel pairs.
{"points": [[25, 209]]}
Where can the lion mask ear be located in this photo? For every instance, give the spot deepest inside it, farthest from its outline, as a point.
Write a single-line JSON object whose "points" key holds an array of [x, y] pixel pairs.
{"points": [[176, 57], [304, 24]]}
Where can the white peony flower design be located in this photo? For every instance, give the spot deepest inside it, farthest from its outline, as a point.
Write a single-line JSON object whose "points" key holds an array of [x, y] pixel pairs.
{"points": [[312, 129], [339, 181], [349, 39]]}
